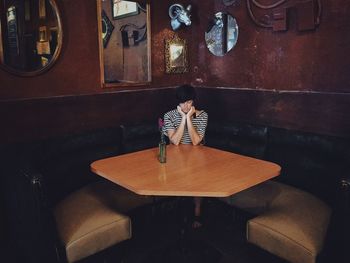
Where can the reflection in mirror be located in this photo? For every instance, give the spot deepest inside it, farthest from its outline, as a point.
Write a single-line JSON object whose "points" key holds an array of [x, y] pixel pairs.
{"points": [[222, 34], [31, 36], [124, 42]]}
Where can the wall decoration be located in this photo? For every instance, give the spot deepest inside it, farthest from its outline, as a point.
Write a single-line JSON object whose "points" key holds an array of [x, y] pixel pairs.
{"points": [[179, 15], [121, 9], [176, 55], [107, 28], [222, 34], [308, 14], [12, 34], [231, 2], [42, 9], [27, 10]]}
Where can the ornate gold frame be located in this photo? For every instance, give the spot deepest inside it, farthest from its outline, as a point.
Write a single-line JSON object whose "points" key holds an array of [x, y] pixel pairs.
{"points": [[176, 55]]}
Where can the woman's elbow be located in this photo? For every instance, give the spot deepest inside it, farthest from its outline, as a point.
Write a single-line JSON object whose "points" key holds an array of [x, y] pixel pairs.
{"points": [[176, 143], [197, 142]]}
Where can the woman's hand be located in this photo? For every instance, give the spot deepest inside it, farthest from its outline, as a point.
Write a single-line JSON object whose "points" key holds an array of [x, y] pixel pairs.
{"points": [[191, 112], [180, 111]]}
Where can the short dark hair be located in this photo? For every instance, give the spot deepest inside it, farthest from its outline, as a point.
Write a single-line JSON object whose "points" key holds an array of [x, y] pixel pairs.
{"points": [[185, 93]]}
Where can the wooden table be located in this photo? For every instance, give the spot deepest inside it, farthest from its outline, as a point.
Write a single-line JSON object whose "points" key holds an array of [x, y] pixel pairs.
{"points": [[189, 171]]}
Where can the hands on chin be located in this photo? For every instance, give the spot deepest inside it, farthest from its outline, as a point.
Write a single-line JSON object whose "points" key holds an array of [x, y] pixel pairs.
{"points": [[191, 111], [180, 111]]}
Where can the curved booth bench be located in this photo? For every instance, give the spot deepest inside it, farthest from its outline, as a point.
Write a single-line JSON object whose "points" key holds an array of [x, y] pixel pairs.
{"points": [[290, 223]]}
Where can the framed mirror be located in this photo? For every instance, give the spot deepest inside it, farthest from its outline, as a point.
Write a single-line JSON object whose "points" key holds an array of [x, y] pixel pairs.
{"points": [[124, 42], [176, 55], [30, 36], [222, 34]]}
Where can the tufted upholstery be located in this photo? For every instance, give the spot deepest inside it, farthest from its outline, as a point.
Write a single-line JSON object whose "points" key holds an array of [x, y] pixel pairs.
{"points": [[54, 175], [315, 163], [237, 137], [290, 222], [60, 168], [139, 137]]}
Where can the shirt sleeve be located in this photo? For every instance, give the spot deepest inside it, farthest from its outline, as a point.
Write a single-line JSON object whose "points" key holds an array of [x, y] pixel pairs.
{"points": [[201, 125], [169, 124]]}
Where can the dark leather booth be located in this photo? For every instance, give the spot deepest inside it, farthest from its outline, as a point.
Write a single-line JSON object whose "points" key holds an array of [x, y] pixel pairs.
{"points": [[37, 175]]}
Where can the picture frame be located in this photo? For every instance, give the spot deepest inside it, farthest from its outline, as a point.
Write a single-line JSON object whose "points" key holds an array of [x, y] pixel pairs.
{"points": [[107, 28], [176, 55], [121, 9]]}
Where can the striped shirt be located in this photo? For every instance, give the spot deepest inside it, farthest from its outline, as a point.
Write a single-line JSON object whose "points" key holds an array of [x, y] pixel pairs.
{"points": [[172, 120]]}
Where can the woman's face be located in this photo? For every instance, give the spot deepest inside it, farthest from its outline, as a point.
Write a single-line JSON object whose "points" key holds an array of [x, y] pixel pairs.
{"points": [[186, 106]]}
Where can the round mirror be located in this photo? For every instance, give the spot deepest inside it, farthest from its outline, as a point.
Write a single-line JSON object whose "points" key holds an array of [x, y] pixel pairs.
{"points": [[222, 34], [30, 36]]}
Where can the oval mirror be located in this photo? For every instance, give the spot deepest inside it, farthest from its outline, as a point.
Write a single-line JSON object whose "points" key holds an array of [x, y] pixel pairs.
{"points": [[31, 36], [222, 33]]}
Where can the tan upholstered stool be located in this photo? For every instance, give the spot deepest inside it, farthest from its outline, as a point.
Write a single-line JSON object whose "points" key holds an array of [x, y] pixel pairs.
{"points": [[292, 223], [90, 219]]}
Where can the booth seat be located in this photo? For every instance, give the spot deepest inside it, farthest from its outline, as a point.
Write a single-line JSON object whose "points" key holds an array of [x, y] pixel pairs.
{"points": [[57, 209], [43, 182], [291, 214]]}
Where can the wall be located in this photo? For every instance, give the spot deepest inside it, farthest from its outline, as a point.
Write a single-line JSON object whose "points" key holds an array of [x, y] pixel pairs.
{"points": [[69, 98], [288, 79], [292, 79]]}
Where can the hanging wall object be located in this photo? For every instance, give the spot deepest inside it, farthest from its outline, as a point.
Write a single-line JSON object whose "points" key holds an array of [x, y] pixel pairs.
{"points": [[176, 55], [275, 15], [107, 29], [231, 2], [179, 15], [121, 9], [125, 53], [222, 34], [31, 36]]}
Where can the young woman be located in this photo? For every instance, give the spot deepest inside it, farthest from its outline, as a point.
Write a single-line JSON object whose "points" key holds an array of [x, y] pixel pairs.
{"points": [[186, 125]]}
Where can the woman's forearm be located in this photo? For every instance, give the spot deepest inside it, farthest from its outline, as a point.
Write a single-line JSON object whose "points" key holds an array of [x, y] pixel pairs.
{"points": [[195, 137], [175, 138]]}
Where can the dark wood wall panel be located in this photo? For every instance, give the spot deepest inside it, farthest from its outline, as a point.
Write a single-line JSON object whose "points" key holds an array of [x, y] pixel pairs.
{"points": [[42, 118], [286, 79], [322, 113], [315, 60]]}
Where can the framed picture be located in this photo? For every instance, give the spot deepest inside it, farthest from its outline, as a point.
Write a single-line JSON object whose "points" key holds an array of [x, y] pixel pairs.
{"points": [[107, 28], [176, 55], [121, 9]]}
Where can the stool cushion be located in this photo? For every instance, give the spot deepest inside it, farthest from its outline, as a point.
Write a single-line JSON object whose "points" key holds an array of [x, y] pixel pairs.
{"points": [[87, 223], [293, 226], [256, 199]]}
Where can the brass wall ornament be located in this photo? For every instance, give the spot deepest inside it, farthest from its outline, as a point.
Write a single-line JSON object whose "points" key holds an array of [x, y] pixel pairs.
{"points": [[176, 55]]}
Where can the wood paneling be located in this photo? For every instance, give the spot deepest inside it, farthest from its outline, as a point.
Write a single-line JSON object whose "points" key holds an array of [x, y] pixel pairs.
{"points": [[287, 79], [323, 113], [42, 118]]}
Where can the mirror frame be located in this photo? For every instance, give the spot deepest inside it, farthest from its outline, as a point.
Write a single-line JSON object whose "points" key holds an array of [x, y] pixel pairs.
{"points": [[54, 57], [176, 41], [101, 49]]}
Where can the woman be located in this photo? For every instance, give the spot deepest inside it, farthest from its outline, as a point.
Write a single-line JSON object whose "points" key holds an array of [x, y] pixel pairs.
{"points": [[186, 125]]}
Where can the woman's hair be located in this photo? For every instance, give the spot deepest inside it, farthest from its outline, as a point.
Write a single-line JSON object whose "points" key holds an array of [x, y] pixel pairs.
{"points": [[185, 93]]}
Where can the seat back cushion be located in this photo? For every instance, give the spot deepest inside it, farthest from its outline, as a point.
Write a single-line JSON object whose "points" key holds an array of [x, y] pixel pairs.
{"points": [[139, 137], [237, 137], [311, 162], [65, 163]]}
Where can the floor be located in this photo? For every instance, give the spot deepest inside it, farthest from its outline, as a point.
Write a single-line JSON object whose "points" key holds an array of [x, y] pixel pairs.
{"points": [[221, 239]]}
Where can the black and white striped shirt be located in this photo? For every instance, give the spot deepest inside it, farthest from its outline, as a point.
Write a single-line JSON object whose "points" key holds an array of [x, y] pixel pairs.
{"points": [[172, 120]]}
